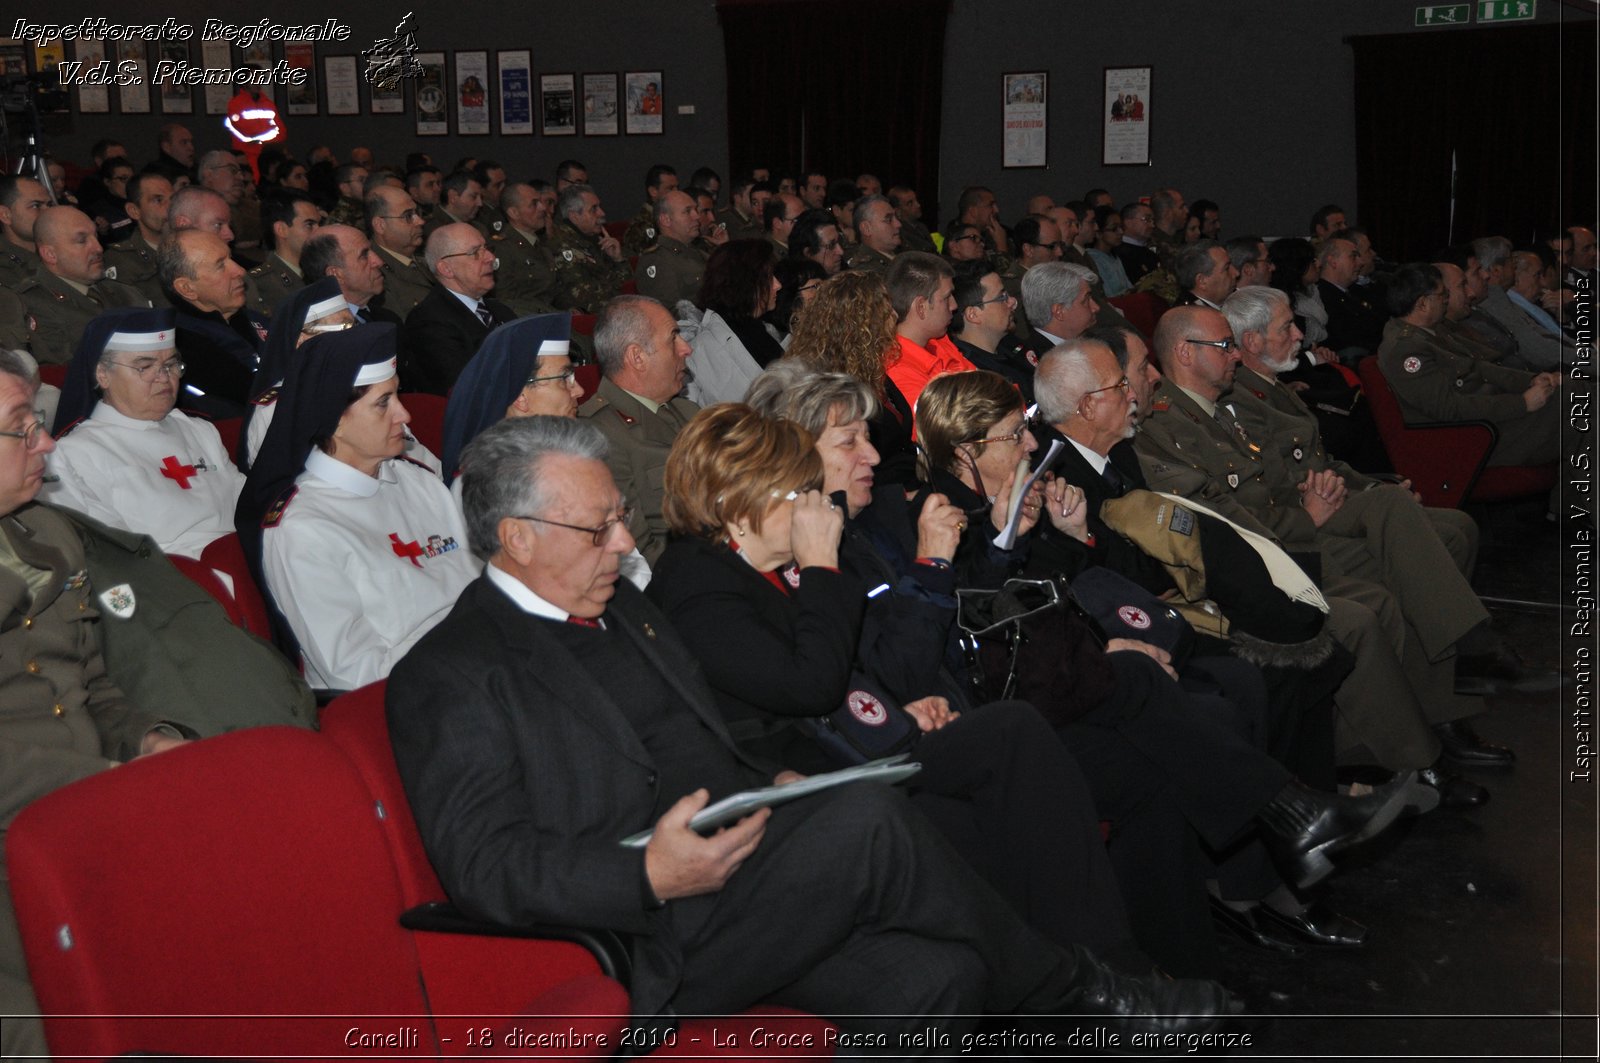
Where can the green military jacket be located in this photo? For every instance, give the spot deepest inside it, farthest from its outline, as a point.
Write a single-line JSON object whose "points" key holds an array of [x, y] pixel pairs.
{"points": [[866, 260], [640, 441], [669, 271], [1286, 429], [914, 236], [405, 284], [17, 264], [275, 280], [1457, 337], [740, 227], [61, 312], [490, 221], [524, 280], [641, 231], [350, 212], [16, 331], [585, 277], [1433, 383], [135, 264]]}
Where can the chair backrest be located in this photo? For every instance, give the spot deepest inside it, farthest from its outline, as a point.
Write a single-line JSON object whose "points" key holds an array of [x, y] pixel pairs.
{"points": [[229, 428], [618, 229], [427, 418], [197, 901], [588, 379], [1143, 310], [250, 606], [583, 324], [1386, 411]]}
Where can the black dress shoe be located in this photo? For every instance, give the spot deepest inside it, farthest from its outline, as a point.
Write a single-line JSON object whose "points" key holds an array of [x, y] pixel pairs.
{"points": [[1301, 827], [1147, 1004], [1465, 749], [1244, 925], [1454, 791], [1317, 925]]}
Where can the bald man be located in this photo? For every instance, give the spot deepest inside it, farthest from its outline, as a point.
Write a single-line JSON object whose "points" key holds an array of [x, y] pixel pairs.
{"points": [[69, 286], [443, 333]]}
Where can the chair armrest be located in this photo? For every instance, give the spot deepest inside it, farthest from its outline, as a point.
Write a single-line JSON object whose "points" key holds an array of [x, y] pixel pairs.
{"points": [[607, 946]]}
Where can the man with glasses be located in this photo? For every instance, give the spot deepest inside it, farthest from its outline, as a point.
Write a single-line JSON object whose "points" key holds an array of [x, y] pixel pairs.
{"points": [[396, 226], [525, 280], [219, 173], [878, 233], [964, 243], [981, 326], [443, 333], [587, 262], [779, 217], [815, 237], [1134, 252], [1038, 240], [136, 462], [644, 363], [290, 219], [1249, 256], [70, 287]]}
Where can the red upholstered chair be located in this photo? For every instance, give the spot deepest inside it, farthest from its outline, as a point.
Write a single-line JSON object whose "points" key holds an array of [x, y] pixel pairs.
{"points": [[1142, 309], [427, 418], [629, 287], [588, 379], [583, 324], [54, 375], [249, 607], [619, 229], [1447, 461], [229, 428], [232, 898]]}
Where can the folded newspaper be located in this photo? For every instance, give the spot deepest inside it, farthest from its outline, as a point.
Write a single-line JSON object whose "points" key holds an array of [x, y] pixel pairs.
{"points": [[737, 806]]}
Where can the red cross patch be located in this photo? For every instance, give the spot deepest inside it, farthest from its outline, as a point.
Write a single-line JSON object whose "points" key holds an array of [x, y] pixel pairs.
{"points": [[1134, 617], [410, 551], [172, 469], [866, 708], [1412, 364]]}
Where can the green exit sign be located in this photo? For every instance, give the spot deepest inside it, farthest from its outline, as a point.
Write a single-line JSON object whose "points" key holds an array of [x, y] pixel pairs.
{"points": [[1505, 10], [1444, 15]]}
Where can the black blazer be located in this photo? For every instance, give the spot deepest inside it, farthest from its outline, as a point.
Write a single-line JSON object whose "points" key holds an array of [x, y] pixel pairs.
{"points": [[440, 337]]}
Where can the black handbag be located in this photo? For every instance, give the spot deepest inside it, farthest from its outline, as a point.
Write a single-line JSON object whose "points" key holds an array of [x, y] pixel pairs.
{"points": [[867, 726]]}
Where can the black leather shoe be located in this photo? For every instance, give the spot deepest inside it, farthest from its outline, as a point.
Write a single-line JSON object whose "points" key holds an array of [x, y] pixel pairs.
{"points": [[1454, 791], [1302, 827], [1146, 1004], [1245, 926], [1465, 749], [1318, 925]]}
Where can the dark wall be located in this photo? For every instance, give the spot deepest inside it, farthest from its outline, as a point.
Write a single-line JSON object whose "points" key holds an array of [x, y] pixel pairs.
{"points": [[682, 39], [1252, 101]]}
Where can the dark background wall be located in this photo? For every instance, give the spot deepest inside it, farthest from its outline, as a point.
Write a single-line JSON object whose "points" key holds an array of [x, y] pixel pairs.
{"points": [[1252, 101]]}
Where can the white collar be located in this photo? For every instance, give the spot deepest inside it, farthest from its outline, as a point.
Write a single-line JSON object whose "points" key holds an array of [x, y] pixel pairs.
{"points": [[104, 411], [522, 595], [466, 300], [1097, 462], [347, 477], [1055, 341]]}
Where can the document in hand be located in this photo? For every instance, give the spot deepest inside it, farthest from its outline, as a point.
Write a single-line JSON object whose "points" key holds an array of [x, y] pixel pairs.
{"points": [[736, 806], [1020, 486]]}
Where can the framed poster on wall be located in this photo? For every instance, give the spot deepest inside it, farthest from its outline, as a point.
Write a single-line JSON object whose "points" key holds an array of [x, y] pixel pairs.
{"points": [[1025, 104], [344, 92], [558, 105], [214, 55], [301, 98], [601, 105], [1125, 117], [472, 94], [646, 104], [433, 96], [516, 92], [92, 99], [134, 98]]}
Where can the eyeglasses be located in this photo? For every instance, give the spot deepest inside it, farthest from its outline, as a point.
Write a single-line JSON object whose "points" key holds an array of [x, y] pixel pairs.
{"points": [[1003, 297], [964, 236], [148, 371], [405, 215], [600, 536], [832, 245], [29, 435], [1013, 437], [1222, 345], [1121, 385], [475, 252], [566, 376]]}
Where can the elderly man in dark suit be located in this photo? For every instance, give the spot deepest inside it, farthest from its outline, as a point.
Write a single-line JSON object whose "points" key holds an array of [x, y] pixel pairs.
{"points": [[554, 712], [443, 332]]}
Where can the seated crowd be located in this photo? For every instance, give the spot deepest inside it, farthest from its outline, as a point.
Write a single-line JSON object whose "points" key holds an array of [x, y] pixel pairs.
{"points": [[789, 531]]}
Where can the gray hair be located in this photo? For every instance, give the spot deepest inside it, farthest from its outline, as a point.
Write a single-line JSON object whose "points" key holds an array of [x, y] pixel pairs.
{"points": [[789, 390], [213, 160], [1242, 250], [622, 323], [172, 259], [1049, 283], [500, 471], [872, 201], [1491, 250], [571, 199], [1250, 309], [1064, 377], [185, 203], [21, 365], [1192, 262]]}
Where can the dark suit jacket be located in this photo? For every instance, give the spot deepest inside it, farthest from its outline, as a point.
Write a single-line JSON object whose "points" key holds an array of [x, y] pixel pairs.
{"points": [[524, 775], [1137, 261], [219, 358], [1356, 318], [439, 339]]}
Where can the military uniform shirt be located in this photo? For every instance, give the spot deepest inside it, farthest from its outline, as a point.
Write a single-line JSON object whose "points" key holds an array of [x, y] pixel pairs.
{"points": [[135, 264], [669, 271], [275, 280], [524, 280], [61, 312], [585, 277], [641, 231], [405, 283]]}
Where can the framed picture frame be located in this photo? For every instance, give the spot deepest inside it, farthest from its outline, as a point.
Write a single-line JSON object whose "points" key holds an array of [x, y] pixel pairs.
{"points": [[341, 73], [470, 90], [175, 98], [258, 55], [1024, 105], [645, 104], [433, 96], [134, 98], [558, 105], [1125, 112], [92, 99], [214, 55], [515, 70], [602, 105], [301, 98]]}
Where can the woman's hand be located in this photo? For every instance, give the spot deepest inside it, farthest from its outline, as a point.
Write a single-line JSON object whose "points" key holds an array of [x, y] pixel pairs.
{"points": [[939, 528], [814, 530], [1032, 506], [1155, 653], [931, 713]]}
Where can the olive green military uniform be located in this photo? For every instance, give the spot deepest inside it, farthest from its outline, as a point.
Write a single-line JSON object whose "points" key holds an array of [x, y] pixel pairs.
{"points": [[135, 263], [275, 280], [350, 212], [866, 260], [490, 221], [61, 717], [1165, 244], [405, 283], [779, 250], [61, 311], [914, 236], [739, 226], [641, 231], [17, 264], [1010, 271], [669, 271], [525, 280], [1460, 339], [1433, 383], [585, 276], [16, 332], [640, 440]]}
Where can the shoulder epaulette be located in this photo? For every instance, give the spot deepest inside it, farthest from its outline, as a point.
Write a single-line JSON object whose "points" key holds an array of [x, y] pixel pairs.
{"points": [[266, 398], [1161, 405], [424, 466], [63, 433], [274, 514]]}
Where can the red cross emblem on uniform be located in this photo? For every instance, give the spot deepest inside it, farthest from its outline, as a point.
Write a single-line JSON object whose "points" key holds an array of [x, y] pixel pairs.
{"points": [[172, 469], [410, 551]]}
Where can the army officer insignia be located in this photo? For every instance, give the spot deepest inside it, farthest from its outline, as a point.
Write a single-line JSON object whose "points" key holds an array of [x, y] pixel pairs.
{"points": [[1233, 480], [1412, 364], [1299, 454], [649, 271], [118, 601]]}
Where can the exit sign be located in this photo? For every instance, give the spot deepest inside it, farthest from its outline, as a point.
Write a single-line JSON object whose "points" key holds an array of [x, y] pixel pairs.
{"points": [[1505, 10], [1444, 15]]}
